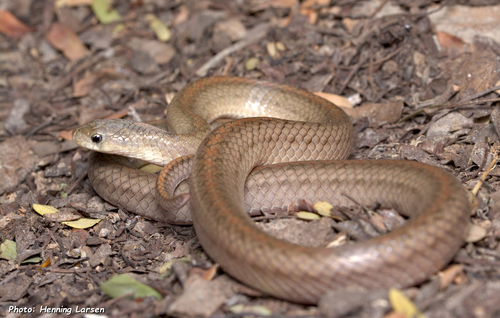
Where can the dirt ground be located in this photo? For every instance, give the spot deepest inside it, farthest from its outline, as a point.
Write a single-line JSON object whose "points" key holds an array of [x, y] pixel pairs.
{"points": [[423, 77]]}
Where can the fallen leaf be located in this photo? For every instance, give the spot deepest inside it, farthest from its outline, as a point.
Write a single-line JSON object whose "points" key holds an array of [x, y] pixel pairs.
{"points": [[251, 63], [450, 41], [8, 250], [72, 3], [448, 275], [85, 85], [209, 274], [151, 168], [182, 15], [82, 223], [64, 39], [338, 100], [475, 233], [339, 240], [32, 260], [166, 268], [121, 285], [159, 28], [323, 208], [46, 263], [258, 310], [309, 216], [66, 134], [259, 5], [403, 305], [11, 26], [378, 113], [271, 49], [104, 12], [44, 209]]}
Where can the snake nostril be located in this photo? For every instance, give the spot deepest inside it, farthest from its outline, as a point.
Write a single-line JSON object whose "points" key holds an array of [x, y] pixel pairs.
{"points": [[96, 138]]}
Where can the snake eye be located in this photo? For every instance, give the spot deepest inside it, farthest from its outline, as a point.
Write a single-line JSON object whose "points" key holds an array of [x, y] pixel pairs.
{"points": [[96, 138]]}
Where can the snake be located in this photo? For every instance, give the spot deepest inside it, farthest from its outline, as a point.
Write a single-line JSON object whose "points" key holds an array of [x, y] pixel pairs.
{"points": [[296, 146]]}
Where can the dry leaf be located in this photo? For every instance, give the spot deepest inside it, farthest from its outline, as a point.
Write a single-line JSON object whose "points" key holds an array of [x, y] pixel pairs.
{"points": [[448, 275], [85, 85], [258, 310], [182, 15], [44, 209], [339, 240], [259, 5], [11, 26], [72, 3], [66, 134], [64, 39], [450, 41], [323, 208], [403, 305], [308, 216], [159, 28], [104, 11], [338, 100], [82, 223], [210, 273], [475, 233]]}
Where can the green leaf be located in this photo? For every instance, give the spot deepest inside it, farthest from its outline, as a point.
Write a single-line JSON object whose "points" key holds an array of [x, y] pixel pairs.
{"points": [[161, 30], [32, 260], [103, 11], [8, 250], [123, 284]]}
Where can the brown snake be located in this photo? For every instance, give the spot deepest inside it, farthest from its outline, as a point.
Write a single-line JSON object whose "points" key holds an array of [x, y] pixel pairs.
{"points": [[312, 129]]}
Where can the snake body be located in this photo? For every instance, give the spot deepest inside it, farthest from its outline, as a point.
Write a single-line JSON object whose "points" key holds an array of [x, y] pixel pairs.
{"points": [[309, 128]]}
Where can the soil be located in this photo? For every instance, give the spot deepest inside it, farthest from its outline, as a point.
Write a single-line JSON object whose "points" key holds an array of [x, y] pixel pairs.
{"points": [[419, 93]]}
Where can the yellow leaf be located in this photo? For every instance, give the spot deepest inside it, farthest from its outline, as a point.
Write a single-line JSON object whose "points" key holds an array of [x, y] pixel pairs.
{"points": [[247, 309], [44, 209], [72, 3], [251, 64], [403, 305], [323, 208], [151, 168], [159, 28], [103, 11], [82, 223], [309, 216]]}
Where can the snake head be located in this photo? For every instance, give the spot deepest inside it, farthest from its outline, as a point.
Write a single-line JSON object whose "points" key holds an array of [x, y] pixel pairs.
{"points": [[102, 135]]}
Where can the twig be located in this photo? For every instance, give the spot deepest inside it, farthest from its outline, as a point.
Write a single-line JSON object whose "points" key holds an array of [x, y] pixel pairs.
{"points": [[254, 35], [485, 174]]}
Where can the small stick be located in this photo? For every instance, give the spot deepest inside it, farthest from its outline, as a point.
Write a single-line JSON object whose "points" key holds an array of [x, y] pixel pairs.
{"points": [[253, 36]]}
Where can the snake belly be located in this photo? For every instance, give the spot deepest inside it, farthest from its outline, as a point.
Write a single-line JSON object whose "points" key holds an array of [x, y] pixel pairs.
{"points": [[309, 141]]}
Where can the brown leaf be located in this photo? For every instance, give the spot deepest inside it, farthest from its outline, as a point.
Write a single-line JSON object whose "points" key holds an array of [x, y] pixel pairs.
{"points": [[64, 39], [210, 273], [448, 275], [377, 113], [450, 41], [11, 26], [84, 85]]}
